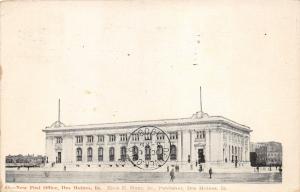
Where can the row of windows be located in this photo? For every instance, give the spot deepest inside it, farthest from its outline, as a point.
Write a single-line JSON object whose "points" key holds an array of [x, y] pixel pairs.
{"points": [[90, 138], [234, 150], [274, 154], [135, 137], [160, 136], [135, 153]]}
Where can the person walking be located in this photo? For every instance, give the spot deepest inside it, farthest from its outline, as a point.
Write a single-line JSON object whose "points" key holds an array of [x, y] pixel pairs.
{"points": [[172, 175], [210, 172], [280, 170], [200, 168]]}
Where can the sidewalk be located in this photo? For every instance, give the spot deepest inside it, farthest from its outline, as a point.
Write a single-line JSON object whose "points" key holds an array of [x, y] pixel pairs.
{"points": [[137, 177]]}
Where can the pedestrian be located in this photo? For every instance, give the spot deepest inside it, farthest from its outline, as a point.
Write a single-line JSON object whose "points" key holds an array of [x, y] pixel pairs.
{"points": [[172, 175], [65, 168], [210, 172], [257, 168], [280, 170]]}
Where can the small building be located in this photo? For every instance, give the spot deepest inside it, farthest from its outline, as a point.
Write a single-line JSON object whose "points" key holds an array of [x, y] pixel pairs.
{"points": [[24, 160]]}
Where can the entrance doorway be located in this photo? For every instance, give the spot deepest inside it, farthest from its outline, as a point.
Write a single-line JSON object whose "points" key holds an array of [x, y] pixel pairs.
{"points": [[58, 157], [201, 158]]}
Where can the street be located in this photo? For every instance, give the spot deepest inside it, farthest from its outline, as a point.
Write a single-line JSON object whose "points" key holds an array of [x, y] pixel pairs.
{"points": [[138, 177]]}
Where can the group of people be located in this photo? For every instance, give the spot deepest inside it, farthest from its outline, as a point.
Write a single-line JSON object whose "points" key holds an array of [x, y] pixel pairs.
{"points": [[270, 169], [172, 174]]}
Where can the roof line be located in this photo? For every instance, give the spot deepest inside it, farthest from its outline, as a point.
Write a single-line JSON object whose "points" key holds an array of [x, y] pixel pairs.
{"points": [[135, 121]]}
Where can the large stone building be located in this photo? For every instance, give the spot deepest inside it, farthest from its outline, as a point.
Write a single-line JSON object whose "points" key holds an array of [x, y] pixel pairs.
{"points": [[203, 139]]}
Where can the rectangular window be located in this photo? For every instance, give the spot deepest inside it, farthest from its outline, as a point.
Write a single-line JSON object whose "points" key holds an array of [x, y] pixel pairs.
{"points": [[173, 136], [79, 139], [200, 135], [90, 139], [112, 138], [100, 138], [59, 139], [100, 154], [148, 136], [135, 137], [160, 136], [123, 137]]}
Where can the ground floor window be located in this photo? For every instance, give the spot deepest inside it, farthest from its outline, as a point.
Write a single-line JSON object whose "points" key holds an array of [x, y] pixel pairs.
{"points": [[123, 153], [89, 154], [147, 152], [173, 152], [79, 154], [111, 154], [135, 153], [100, 154], [159, 152]]}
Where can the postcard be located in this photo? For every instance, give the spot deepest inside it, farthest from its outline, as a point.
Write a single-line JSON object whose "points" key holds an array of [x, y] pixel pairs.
{"points": [[150, 96]]}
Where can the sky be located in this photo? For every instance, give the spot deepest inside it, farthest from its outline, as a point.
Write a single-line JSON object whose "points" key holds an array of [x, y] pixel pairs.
{"points": [[113, 61]]}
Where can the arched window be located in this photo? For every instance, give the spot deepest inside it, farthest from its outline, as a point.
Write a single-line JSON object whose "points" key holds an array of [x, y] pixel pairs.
{"points": [[111, 154], [135, 153], [159, 152], [79, 154], [123, 153], [173, 154], [100, 154], [89, 154], [147, 152]]}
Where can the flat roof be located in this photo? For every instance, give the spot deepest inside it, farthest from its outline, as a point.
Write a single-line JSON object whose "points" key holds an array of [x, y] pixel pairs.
{"points": [[160, 122]]}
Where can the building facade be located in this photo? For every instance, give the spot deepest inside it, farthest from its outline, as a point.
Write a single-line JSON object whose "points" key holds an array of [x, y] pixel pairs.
{"points": [[24, 160], [201, 139], [267, 153]]}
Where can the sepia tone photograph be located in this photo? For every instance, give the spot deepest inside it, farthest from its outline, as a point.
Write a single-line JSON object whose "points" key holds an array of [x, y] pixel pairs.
{"points": [[150, 95]]}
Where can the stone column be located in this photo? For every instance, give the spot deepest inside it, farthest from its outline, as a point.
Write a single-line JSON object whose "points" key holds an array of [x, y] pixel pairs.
{"points": [[50, 149], [95, 150], [208, 145], [106, 149], [229, 153], [242, 157], [179, 146], [117, 147], [185, 143], [67, 149], [192, 152]]}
